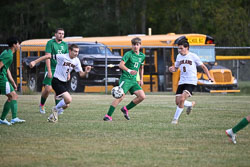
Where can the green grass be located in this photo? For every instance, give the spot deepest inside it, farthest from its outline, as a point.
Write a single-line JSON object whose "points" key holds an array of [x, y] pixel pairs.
{"points": [[82, 138]]}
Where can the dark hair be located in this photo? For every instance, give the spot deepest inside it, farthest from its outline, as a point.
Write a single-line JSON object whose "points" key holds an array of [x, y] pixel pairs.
{"points": [[183, 42], [12, 40], [136, 40], [72, 46], [59, 29]]}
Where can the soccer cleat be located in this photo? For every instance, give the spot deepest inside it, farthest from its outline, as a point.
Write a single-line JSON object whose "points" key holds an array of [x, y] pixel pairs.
{"points": [[174, 121], [54, 113], [124, 110], [231, 135], [5, 122], [107, 118], [60, 111], [42, 109], [17, 120], [190, 108]]}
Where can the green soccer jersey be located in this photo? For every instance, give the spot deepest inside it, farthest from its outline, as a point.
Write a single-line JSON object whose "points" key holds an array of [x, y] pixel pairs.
{"points": [[132, 62], [54, 48], [6, 58]]}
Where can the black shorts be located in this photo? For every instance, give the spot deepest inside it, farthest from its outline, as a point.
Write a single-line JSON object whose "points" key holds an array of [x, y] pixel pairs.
{"points": [[59, 86], [185, 87]]}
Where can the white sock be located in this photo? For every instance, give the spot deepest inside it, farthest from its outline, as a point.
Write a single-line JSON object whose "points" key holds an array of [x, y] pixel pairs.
{"points": [[178, 112], [60, 111], [187, 103], [60, 104]]}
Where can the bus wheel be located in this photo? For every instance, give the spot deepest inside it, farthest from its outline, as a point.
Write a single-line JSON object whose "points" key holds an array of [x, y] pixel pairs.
{"points": [[75, 83], [32, 82]]}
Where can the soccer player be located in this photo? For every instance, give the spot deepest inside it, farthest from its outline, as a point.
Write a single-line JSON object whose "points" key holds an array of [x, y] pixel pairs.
{"points": [[65, 64], [53, 46], [131, 63], [6, 88], [187, 63], [231, 133]]}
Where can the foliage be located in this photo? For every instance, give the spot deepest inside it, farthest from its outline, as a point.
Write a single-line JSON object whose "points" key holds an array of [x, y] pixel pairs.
{"points": [[227, 21]]}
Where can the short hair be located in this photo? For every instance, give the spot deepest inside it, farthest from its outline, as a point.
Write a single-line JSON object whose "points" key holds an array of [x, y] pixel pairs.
{"points": [[184, 42], [59, 29], [72, 46], [12, 40], [136, 40]]}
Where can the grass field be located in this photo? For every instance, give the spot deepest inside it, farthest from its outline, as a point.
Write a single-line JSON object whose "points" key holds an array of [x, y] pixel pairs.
{"points": [[82, 138]]}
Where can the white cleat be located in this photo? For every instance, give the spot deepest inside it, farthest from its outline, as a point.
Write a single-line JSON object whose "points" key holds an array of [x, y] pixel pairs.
{"points": [[190, 108], [175, 121], [5, 122], [42, 109], [54, 116], [17, 120], [231, 135]]}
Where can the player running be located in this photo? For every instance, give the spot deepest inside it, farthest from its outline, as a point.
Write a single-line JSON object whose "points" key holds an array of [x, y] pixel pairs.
{"points": [[65, 64], [187, 63], [6, 88], [131, 63]]}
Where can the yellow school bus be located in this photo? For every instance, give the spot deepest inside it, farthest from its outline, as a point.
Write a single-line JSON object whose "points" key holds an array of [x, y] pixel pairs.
{"points": [[161, 51]]}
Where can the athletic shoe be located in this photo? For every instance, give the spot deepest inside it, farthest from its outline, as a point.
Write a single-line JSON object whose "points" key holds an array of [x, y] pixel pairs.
{"points": [[17, 120], [51, 118], [5, 122], [124, 110], [190, 108], [107, 118], [42, 109], [174, 121], [231, 135], [55, 113], [60, 111]]}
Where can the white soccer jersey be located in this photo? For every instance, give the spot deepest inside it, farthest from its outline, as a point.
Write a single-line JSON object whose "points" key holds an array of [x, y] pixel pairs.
{"points": [[65, 65], [187, 65]]}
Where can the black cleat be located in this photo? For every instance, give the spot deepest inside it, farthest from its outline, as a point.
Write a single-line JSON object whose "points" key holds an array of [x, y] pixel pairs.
{"points": [[124, 110]]}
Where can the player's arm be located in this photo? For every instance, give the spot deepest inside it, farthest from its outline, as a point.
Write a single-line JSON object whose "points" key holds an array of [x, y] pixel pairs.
{"points": [[33, 63], [207, 72], [11, 79], [1, 65], [87, 70], [141, 73], [123, 67], [47, 61]]}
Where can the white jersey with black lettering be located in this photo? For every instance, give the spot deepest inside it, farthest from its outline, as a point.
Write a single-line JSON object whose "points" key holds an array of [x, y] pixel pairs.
{"points": [[65, 65], [187, 65]]}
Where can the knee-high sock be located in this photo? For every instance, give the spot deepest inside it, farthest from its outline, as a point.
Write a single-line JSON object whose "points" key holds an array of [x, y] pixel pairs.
{"points": [[6, 109], [130, 105], [242, 124], [13, 106], [178, 112], [60, 104], [42, 101], [111, 110]]}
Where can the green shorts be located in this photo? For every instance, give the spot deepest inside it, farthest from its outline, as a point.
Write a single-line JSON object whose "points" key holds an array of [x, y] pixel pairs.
{"points": [[5, 87], [47, 80], [129, 85]]}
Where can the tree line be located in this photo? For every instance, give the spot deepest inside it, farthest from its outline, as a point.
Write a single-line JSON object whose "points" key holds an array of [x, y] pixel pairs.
{"points": [[228, 21]]}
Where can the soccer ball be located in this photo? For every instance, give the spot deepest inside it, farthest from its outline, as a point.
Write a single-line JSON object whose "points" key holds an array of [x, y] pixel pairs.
{"points": [[117, 92]]}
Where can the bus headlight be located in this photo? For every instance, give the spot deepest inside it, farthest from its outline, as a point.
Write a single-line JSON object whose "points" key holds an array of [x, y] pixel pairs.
{"points": [[205, 82], [88, 62]]}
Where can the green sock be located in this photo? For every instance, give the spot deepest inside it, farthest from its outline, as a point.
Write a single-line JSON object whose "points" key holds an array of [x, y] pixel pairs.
{"points": [[42, 101], [13, 106], [6, 109], [131, 105], [111, 110], [57, 101], [240, 125]]}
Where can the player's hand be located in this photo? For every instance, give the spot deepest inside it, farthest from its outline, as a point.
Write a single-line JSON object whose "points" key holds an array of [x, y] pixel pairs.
{"points": [[68, 78], [49, 74], [14, 86], [133, 72], [172, 69], [141, 82], [87, 69], [32, 64]]}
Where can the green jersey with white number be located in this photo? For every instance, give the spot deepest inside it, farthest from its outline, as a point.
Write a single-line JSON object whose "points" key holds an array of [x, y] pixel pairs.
{"points": [[132, 62], [54, 48], [6, 58]]}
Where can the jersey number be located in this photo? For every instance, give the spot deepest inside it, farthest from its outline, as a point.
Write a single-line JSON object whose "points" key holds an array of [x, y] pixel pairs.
{"points": [[136, 64], [184, 69]]}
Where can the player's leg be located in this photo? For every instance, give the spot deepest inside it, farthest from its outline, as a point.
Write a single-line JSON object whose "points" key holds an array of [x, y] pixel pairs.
{"points": [[140, 96], [231, 133], [14, 107], [114, 104], [5, 90]]}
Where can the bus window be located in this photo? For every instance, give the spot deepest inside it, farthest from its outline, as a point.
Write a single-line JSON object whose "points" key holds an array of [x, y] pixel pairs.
{"points": [[206, 53], [33, 54], [24, 54]]}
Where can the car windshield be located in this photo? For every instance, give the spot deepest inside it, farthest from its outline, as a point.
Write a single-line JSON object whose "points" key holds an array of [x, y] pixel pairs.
{"points": [[94, 50]]}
